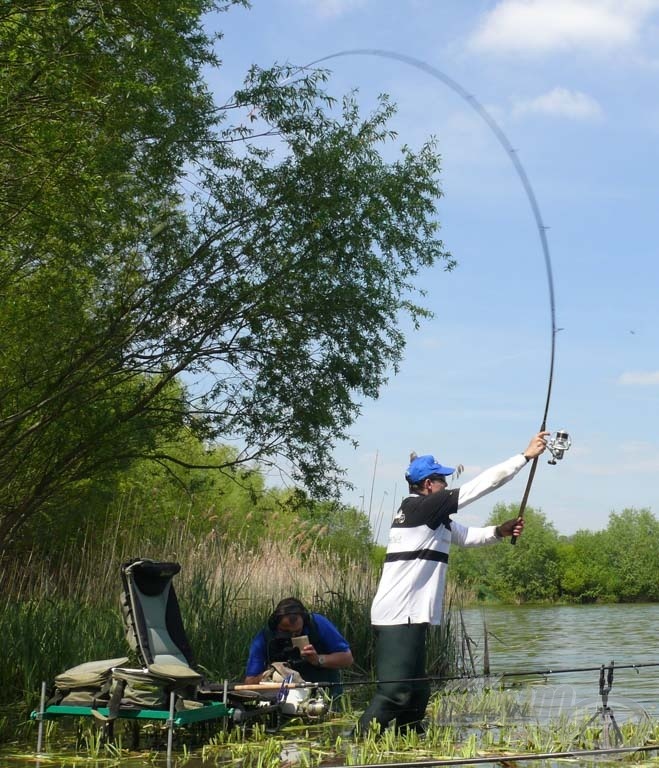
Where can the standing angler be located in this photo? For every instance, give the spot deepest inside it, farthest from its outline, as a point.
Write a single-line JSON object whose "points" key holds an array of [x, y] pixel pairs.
{"points": [[411, 590]]}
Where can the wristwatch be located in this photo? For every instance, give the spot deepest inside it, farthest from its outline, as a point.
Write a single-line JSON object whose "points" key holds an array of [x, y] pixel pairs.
{"points": [[321, 660]]}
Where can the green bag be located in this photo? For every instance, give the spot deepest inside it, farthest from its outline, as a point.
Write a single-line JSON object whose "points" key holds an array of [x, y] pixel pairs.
{"points": [[86, 685], [151, 688]]}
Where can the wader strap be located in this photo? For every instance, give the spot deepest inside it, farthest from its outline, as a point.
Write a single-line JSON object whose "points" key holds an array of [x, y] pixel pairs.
{"points": [[114, 704]]}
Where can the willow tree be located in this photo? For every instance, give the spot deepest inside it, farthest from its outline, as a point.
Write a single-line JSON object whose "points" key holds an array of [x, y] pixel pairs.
{"points": [[239, 270]]}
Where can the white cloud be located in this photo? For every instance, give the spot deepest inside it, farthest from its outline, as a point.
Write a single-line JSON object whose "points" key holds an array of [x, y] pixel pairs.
{"points": [[331, 9], [561, 102], [642, 378], [543, 26]]}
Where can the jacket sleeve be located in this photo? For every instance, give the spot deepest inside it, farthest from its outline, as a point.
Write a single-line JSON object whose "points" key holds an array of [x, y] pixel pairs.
{"points": [[490, 479], [257, 661], [465, 536], [332, 640]]}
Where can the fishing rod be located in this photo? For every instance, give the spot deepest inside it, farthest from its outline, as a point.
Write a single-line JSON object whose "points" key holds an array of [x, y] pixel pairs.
{"points": [[436, 679], [521, 756], [582, 669], [560, 442]]}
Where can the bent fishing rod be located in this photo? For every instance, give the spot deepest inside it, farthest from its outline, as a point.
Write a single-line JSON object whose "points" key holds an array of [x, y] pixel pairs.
{"points": [[560, 442]]}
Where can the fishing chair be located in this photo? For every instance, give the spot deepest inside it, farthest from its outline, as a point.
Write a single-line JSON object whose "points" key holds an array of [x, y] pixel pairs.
{"points": [[154, 630], [151, 613], [166, 687]]}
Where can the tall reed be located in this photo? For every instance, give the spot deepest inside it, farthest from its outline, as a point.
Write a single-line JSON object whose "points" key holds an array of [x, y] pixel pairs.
{"points": [[59, 612]]}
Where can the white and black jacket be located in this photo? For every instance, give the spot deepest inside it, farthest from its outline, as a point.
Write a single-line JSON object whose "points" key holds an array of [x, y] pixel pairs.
{"points": [[411, 588]]}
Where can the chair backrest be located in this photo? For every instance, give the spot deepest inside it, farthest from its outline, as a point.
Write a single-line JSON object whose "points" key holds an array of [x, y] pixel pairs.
{"points": [[152, 618]]}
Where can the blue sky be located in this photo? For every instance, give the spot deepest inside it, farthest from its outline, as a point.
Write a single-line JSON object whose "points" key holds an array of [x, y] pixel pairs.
{"points": [[573, 84]]}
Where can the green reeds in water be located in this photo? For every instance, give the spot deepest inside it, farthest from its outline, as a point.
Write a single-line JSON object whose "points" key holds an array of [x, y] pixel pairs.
{"points": [[60, 613], [63, 613]]}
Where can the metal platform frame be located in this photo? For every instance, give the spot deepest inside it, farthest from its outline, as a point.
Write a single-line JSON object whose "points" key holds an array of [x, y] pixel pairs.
{"points": [[213, 710]]}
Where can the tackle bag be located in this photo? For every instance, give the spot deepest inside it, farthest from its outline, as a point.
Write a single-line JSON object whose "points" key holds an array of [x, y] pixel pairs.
{"points": [[86, 685], [151, 688]]}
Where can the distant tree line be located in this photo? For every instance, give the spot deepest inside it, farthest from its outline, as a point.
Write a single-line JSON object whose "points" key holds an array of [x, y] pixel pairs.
{"points": [[236, 505], [618, 564]]}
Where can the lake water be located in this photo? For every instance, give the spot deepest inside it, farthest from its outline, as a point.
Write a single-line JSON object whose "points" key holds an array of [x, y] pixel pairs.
{"points": [[535, 640], [528, 639]]}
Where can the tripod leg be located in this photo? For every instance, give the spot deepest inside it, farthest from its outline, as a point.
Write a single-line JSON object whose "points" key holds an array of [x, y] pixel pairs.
{"points": [[618, 734], [590, 722], [592, 719]]}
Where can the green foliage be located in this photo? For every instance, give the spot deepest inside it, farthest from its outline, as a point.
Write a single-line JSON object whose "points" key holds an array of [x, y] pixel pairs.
{"points": [[583, 570], [349, 609], [101, 105], [49, 636], [379, 552], [278, 288], [327, 526], [632, 555], [527, 572], [143, 501], [136, 513], [618, 563]]}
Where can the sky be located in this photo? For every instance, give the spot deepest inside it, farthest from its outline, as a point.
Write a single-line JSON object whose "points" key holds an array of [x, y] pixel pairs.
{"points": [[573, 85]]}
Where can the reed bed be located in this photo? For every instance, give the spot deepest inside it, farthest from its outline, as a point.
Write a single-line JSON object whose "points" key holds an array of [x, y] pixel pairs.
{"points": [[60, 611], [57, 611]]}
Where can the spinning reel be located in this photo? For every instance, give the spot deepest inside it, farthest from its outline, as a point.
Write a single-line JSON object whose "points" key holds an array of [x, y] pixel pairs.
{"points": [[557, 444]]}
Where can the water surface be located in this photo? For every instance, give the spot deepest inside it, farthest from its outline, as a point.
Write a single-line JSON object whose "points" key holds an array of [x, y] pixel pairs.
{"points": [[531, 640], [560, 637]]}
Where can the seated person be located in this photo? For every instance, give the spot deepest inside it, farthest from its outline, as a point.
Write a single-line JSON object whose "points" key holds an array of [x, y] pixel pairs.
{"points": [[320, 660]]}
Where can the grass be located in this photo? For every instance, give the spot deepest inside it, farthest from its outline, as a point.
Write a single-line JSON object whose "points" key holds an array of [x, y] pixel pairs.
{"points": [[474, 728], [59, 614], [468, 721]]}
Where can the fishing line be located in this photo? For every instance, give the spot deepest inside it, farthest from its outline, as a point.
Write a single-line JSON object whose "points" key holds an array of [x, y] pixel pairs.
{"points": [[439, 679], [528, 189]]}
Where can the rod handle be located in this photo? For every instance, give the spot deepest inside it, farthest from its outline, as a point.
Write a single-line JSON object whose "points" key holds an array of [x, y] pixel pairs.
{"points": [[525, 498]]}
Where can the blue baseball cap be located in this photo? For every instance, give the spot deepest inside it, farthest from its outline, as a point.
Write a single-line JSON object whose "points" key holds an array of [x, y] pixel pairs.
{"points": [[424, 466]]}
